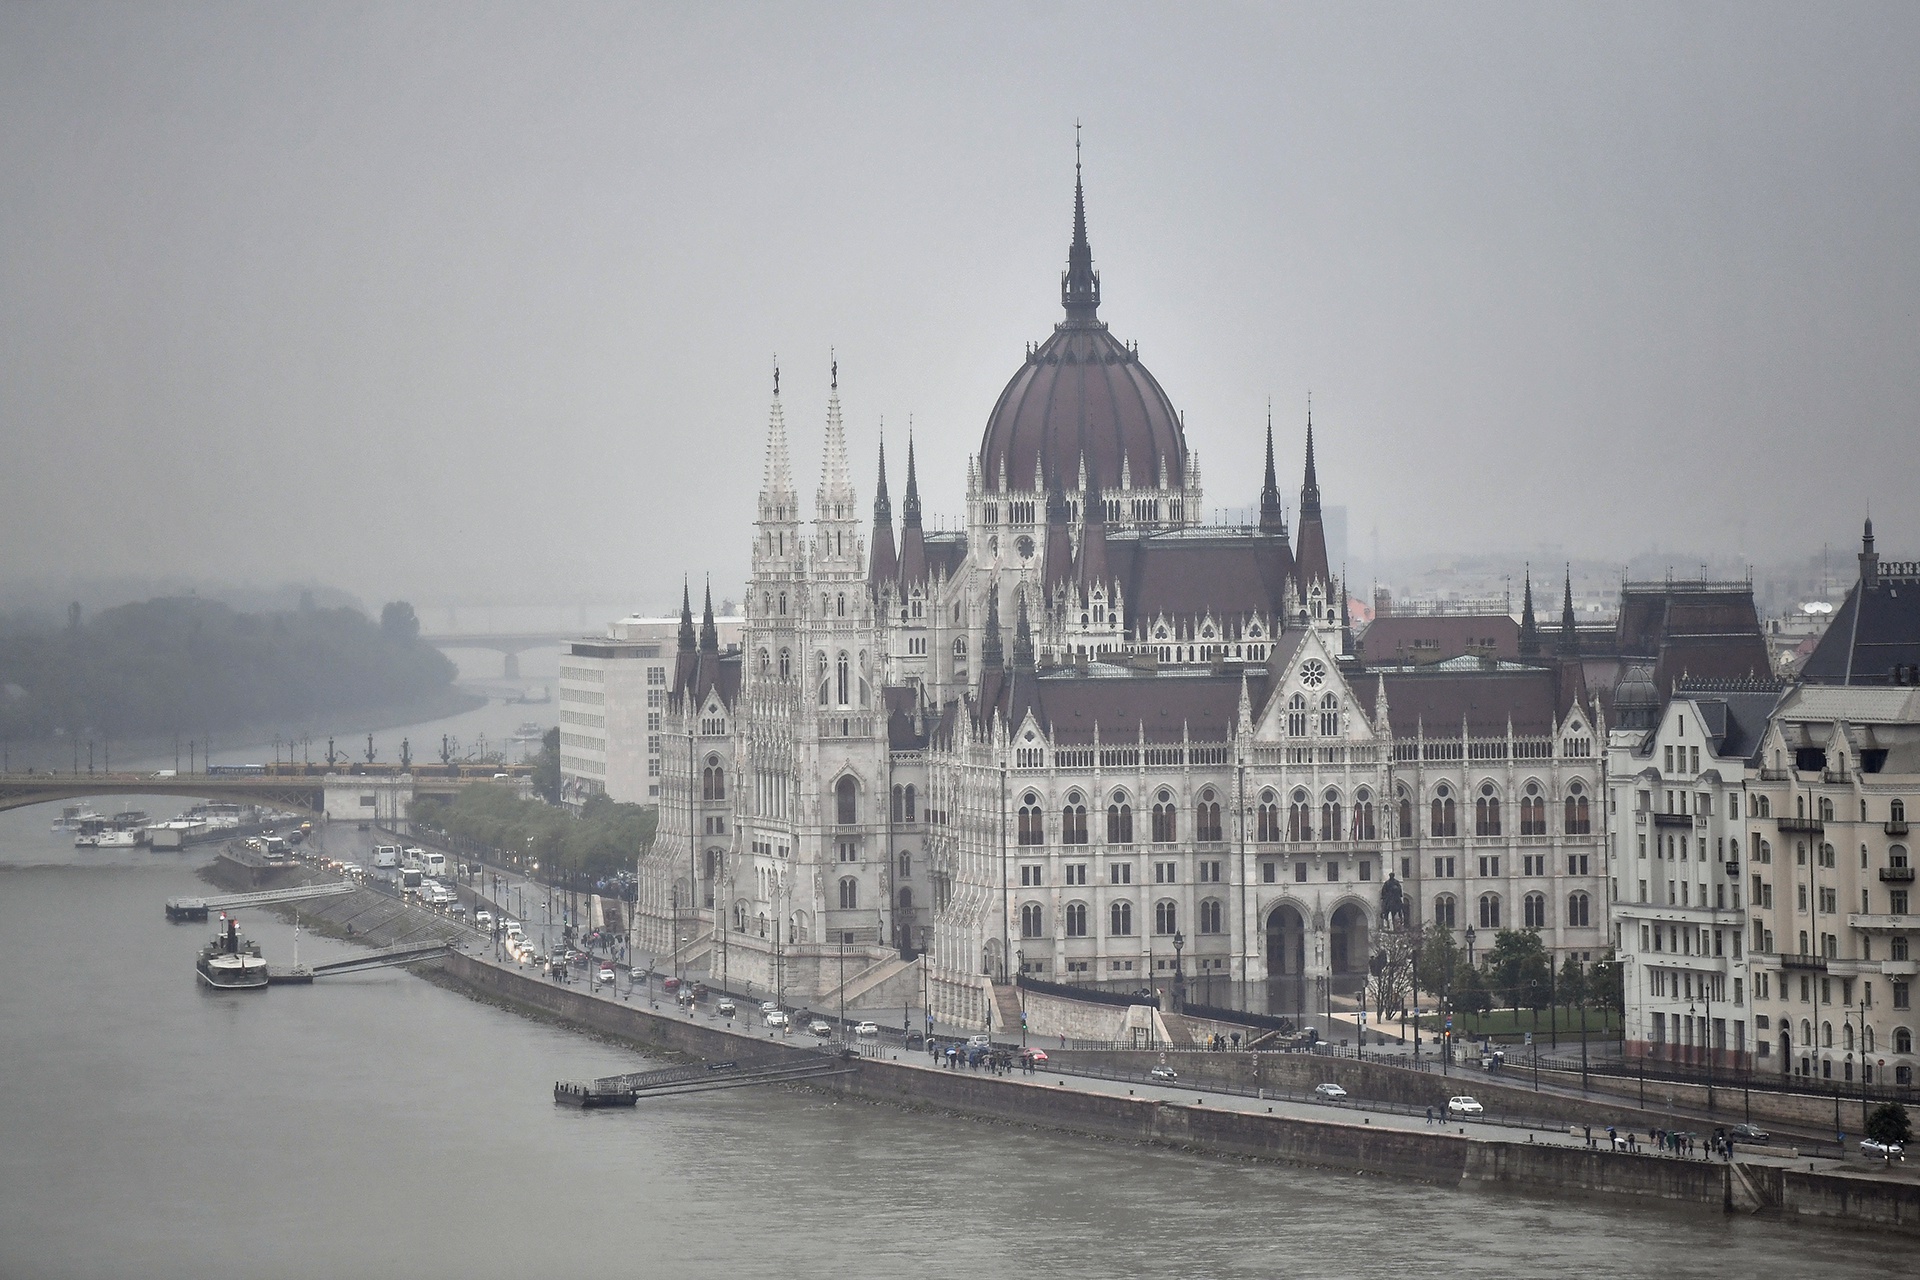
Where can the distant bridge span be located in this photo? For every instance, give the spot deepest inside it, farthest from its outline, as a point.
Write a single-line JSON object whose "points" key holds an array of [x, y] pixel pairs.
{"points": [[380, 794], [510, 643]]}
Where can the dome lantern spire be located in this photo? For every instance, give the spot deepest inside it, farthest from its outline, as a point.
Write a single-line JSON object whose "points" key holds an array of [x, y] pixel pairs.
{"points": [[1080, 283]]}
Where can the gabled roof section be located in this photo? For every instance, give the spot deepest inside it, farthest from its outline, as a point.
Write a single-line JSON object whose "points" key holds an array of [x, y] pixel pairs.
{"points": [[1196, 573], [1425, 638], [1486, 701], [1874, 633]]}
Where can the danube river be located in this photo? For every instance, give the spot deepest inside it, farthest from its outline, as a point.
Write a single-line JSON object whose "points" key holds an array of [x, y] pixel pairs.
{"points": [[380, 1125]]}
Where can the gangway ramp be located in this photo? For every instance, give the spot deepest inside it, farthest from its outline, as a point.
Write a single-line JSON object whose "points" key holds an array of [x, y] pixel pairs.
{"points": [[625, 1090], [197, 908]]}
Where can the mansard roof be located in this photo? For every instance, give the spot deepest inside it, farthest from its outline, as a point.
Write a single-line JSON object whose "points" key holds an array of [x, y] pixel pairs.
{"points": [[1409, 638], [1876, 629], [700, 672], [1734, 718], [946, 553], [1437, 700], [1193, 573], [1162, 706]]}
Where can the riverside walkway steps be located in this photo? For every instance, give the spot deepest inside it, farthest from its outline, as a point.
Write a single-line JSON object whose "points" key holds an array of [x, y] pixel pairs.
{"points": [[625, 1090]]}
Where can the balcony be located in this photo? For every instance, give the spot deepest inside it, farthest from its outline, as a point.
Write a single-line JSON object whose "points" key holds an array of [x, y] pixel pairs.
{"points": [[1896, 875], [1883, 923], [1897, 828], [1681, 820], [1802, 826], [1803, 962]]}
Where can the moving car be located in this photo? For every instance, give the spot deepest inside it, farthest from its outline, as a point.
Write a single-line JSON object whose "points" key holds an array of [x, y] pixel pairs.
{"points": [[670, 984], [819, 1027], [1164, 1073], [1747, 1133], [769, 1006], [1329, 1092], [605, 975], [725, 1008], [483, 918], [778, 1019], [867, 1029], [1888, 1151], [1464, 1107], [979, 1042], [1035, 1056]]}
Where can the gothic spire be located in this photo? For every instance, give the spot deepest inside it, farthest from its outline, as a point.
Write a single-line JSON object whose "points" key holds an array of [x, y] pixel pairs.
{"points": [[882, 504], [1310, 560], [686, 618], [992, 658], [1273, 517], [709, 634], [1569, 641], [778, 480], [1310, 487], [913, 547], [1080, 283], [835, 499], [1529, 625], [1022, 638], [884, 563]]}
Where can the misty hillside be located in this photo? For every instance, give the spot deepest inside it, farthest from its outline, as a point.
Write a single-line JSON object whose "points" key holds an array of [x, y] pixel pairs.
{"points": [[187, 665]]}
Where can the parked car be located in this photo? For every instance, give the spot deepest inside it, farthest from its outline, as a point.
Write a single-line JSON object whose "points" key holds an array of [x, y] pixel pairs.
{"points": [[1747, 1133], [1888, 1151], [1329, 1092], [725, 1008], [867, 1029], [1164, 1073], [819, 1027], [1465, 1108]]}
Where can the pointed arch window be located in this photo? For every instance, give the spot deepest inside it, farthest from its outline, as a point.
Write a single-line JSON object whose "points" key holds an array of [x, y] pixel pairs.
{"points": [[1330, 815], [1329, 714], [1032, 824], [1120, 920], [1269, 818], [1363, 824], [1533, 910], [1119, 820], [1579, 814], [1486, 811], [1446, 911], [1489, 911], [846, 807], [1404, 828], [1297, 716], [1076, 919], [1299, 815], [1533, 811], [1206, 818], [713, 780], [1210, 916], [1031, 918], [786, 664], [1579, 911], [1073, 819], [849, 893], [1166, 917], [1442, 820], [1166, 823], [843, 670]]}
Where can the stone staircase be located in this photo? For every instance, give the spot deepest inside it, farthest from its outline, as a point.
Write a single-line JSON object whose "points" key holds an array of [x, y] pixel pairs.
{"points": [[866, 980], [1006, 1008], [1179, 1034]]}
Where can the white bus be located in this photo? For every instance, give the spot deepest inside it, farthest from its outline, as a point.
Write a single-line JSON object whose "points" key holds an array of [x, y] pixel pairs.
{"points": [[436, 863], [386, 856]]}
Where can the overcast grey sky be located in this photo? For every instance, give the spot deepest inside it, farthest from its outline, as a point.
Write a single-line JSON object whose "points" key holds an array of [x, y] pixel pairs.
{"points": [[471, 301]]}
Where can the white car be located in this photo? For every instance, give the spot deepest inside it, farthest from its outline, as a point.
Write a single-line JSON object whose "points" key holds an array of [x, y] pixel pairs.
{"points": [[778, 1020], [867, 1029], [605, 975], [819, 1027], [483, 919], [1329, 1092], [1465, 1107], [769, 1006], [1887, 1151]]}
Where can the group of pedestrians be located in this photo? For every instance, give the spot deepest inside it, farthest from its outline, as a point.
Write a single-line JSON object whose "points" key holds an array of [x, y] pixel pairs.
{"points": [[974, 1058]]}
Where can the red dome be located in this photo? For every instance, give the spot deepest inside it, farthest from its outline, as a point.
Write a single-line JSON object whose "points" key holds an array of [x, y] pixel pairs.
{"points": [[1083, 395]]}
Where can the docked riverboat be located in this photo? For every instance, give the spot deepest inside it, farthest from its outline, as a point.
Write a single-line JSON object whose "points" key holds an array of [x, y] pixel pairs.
{"points": [[229, 963]]}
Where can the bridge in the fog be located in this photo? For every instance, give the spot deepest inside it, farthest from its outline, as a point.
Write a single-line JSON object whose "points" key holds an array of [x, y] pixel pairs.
{"points": [[510, 643], [376, 792]]}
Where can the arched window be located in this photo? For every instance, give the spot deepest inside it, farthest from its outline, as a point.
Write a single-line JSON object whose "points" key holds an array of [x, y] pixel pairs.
{"points": [[786, 662], [1533, 908], [1269, 818], [783, 613], [1826, 1035], [849, 893], [766, 663], [1073, 819], [1846, 1036], [761, 920], [1902, 1040], [1579, 911], [842, 607], [1489, 911], [1206, 817], [1486, 811], [1826, 809], [1330, 815], [1363, 828], [1119, 820], [1299, 815], [713, 780], [912, 805], [1329, 714], [1297, 715], [1120, 917], [1032, 824], [1445, 909], [1030, 920], [1443, 823], [843, 683], [1210, 916], [1533, 811], [845, 811], [1076, 919], [899, 801], [1897, 811], [1405, 828], [960, 649], [1579, 811], [1166, 825], [906, 865], [1166, 917]]}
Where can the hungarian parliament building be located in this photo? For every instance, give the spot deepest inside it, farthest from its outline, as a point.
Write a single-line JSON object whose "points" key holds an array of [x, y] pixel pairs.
{"points": [[1089, 738]]}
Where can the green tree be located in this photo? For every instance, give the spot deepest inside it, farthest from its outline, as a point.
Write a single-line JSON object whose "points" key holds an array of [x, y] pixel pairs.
{"points": [[1889, 1123], [1519, 969], [1573, 983], [398, 622], [546, 767], [1606, 984], [1438, 956], [1470, 994]]}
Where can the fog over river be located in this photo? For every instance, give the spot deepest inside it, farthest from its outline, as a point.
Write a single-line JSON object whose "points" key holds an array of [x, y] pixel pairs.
{"points": [[380, 1125]]}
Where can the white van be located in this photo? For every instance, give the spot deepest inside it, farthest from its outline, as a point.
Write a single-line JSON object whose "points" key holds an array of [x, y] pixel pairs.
{"points": [[436, 863], [386, 856]]}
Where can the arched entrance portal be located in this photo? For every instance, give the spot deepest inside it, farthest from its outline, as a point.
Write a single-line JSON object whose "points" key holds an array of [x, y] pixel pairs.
{"points": [[1286, 943], [1349, 940]]}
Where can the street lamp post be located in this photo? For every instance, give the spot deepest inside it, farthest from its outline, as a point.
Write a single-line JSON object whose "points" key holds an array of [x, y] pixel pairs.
{"points": [[1020, 958], [1469, 946], [1706, 1034], [1179, 975]]}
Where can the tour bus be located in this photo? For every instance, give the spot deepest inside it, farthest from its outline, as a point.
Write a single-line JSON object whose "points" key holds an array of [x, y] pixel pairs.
{"points": [[410, 880], [436, 863], [386, 856]]}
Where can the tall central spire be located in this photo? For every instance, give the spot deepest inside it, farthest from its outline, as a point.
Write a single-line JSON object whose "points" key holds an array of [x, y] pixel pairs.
{"points": [[1310, 487], [1273, 517], [1080, 283]]}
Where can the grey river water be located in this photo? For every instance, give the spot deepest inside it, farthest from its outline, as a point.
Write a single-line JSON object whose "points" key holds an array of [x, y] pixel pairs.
{"points": [[380, 1125]]}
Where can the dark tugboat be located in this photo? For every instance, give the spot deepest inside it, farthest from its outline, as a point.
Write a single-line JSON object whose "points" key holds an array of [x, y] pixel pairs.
{"points": [[229, 964], [593, 1096]]}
